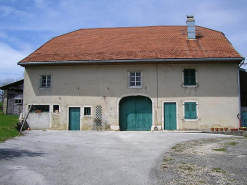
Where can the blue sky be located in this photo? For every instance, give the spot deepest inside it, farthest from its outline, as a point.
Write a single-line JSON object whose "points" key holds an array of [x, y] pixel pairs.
{"points": [[27, 24]]}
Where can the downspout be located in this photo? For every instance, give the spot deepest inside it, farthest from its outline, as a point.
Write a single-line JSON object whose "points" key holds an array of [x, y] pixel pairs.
{"points": [[157, 80], [239, 94]]}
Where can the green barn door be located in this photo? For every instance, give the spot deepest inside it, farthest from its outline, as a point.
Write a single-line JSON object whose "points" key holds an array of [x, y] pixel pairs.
{"points": [[135, 114], [170, 122], [74, 118]]}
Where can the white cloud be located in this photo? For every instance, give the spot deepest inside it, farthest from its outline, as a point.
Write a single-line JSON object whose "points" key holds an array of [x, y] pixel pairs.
{"points": [[6, 11], [8, 62]]}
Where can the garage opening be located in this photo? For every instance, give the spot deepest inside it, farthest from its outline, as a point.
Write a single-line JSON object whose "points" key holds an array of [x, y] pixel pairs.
{"points": [[135, 113]]}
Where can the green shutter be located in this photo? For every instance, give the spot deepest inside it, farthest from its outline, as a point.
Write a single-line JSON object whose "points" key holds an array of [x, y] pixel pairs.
{"points": [[192, 77], [193, 110], [190, 110], [189, 77], [186, 110], [186, 77]]}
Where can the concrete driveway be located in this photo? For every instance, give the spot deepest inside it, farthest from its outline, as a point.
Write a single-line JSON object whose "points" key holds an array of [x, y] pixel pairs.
{"points": [[87, 157]]}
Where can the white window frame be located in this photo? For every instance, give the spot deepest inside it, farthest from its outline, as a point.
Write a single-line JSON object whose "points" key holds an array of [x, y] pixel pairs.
{"points": [[141, 81], [197, 110], [91, 110], [183, 77], [18, 99], [40, 104], [40, 82], [58, 109]]}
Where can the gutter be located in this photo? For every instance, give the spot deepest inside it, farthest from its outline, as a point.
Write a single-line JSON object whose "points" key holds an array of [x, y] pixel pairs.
{"points": [[131, 61]]}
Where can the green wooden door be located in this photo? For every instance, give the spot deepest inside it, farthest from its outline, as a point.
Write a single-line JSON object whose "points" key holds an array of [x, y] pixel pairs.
{"points": [[135, 113], [244, 119], [74, 118], [170, 121]]}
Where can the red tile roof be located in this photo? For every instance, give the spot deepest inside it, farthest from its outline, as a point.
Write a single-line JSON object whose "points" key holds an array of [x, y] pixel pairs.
{"points": [[154, 42]]}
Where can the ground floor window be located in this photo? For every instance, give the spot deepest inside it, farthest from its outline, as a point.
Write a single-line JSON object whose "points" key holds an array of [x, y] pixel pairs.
{"points": [[190, 110], [87, 111], [39, 108], [55, 108]]}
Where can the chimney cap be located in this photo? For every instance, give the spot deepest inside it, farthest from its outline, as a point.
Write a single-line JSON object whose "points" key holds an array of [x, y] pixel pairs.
{"points": [[190, 18]]}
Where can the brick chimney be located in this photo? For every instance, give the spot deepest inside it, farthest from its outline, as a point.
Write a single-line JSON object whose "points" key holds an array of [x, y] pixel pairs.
{"points": [[191, 30]]}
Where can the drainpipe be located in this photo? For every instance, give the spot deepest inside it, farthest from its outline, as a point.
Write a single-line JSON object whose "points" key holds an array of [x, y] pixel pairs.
{"points": [[239, 95]]}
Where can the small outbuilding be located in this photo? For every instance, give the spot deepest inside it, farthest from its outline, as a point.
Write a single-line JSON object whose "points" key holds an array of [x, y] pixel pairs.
{"points": [[13, 97], [243, 92]]}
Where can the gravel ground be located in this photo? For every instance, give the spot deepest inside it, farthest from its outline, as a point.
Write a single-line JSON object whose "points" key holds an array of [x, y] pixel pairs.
{"points": [[206, 161]]}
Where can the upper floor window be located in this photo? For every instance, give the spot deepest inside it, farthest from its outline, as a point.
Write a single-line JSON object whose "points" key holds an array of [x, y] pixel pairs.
{"points": [[189, 77], [135, 79], [45, 81]]}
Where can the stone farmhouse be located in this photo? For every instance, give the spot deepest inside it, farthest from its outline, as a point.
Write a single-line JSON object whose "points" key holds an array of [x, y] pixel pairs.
{"points": [[134, 79]]}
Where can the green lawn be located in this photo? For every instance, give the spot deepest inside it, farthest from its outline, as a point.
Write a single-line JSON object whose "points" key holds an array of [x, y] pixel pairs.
{"points": [[7, 126]]}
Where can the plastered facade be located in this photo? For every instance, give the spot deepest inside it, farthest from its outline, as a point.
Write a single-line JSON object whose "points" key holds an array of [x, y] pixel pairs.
{"points": [[90, 85]]}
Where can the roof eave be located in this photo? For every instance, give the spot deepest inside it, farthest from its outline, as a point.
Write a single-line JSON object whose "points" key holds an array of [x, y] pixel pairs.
{"points": [[132, 61]]}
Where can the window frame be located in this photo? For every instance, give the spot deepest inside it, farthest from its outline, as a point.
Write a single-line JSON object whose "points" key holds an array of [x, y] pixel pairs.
{"points": [[53, 110], [18, 102], [183, 79], [197, 110], [135, 81], [34, 111], [40, 81], [91, 110]]}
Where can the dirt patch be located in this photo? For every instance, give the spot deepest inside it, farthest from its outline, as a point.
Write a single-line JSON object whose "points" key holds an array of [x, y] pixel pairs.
{"points": [[207, 161]]}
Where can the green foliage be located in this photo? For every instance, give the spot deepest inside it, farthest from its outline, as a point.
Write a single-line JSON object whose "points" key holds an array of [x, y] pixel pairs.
{"points": [[1, 107], [220, 149], [7, 126], [232, 143], [218, 170]]}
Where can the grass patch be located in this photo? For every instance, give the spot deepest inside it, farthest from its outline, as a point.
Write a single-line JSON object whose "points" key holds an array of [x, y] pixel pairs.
{"points": [[166, 160], [220, 149], [7, 126], [232, 143], [218, 170], [177, 148]]}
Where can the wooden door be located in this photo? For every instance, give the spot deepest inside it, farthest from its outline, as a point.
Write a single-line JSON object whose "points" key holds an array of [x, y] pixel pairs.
{"points": [[74, 118], [135, 113], [170, 121]]}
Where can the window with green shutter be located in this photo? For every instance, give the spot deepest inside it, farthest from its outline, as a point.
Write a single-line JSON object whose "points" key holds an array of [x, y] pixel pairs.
{"points": [[190, 110], [189, 77]]}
